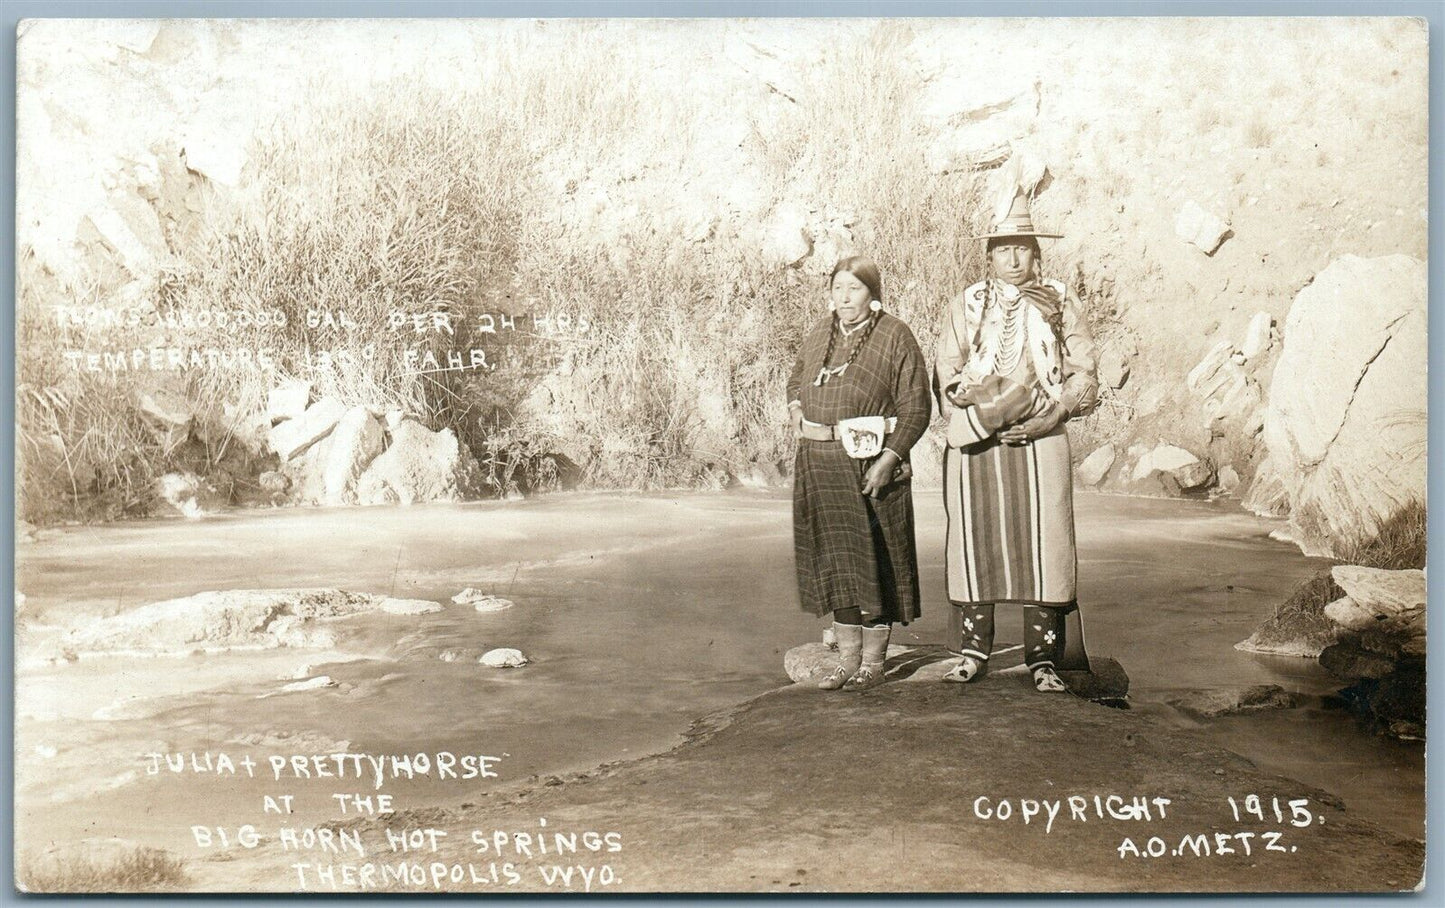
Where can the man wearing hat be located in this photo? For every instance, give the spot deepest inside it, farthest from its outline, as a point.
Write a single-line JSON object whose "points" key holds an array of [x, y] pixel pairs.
{"points": [[1015, 362]]}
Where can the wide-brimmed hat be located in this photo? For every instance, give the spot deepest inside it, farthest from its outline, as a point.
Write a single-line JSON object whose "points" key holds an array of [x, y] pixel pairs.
{"points": [[1016, 221]]}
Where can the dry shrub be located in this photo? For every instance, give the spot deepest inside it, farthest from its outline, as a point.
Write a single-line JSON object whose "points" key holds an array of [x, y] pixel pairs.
{"points": [[1399, 545], [81, 446], [411, 198], [145, 870]]}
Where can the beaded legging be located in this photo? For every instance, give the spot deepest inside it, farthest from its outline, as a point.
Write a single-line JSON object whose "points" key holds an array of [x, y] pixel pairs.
{"points": [[1043, 632]]}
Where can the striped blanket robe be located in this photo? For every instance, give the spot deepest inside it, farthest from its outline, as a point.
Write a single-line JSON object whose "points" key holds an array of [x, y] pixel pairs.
{"points": [[1010, 508]]}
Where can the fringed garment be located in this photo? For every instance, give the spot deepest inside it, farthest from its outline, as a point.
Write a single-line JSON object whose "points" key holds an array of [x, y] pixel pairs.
{"points": [[1010, 508]]}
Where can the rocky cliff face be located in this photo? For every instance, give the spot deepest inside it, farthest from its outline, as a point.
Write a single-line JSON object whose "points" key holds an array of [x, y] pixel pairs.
{"points": [[1203, 173], [1347, 404]]}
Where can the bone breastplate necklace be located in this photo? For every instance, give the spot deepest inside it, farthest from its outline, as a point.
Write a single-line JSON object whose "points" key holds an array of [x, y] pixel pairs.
{"points": [[1011, 333]]}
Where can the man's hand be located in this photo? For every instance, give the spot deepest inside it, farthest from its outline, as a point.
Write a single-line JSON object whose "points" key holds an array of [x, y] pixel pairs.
{"points": [[958, 396], [880, 474], [1035, 426]]}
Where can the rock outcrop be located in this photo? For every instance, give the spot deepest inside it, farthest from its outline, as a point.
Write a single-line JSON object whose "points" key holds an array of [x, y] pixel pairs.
{"points": [[419, 465], [482, 602], [169, 413], [227, 619], [288, 401], [293, 436], [1345, 426], [1221, 383], [1172, 470], [1381, 602], [1200, 228], [188, 495], [1301, 635], [1215, 703], [1372, 637], [1114, 368], [1267, 495], [353, 445], [109, 194], [1380, 646], [977, 122], [1258, 337], [1096, 466]]}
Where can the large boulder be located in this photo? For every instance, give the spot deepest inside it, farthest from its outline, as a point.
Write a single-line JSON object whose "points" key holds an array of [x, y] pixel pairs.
{"points": [[294, 436], [1381, 646], [218, 157], [130, 228], [1114, 368], [288, 401], [1170, 469], [1349, 661], [1194, 476], [353, 445], [1163, 459], [165, 406], [1345, 426], [420, 465], [169, 413], [1096, 466], [1228, 480], [187, 494], [1297, 633], [1380, 601]]}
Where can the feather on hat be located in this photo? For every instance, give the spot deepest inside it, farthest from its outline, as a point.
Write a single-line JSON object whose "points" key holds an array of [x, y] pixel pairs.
{"points": [[1011, 216]]}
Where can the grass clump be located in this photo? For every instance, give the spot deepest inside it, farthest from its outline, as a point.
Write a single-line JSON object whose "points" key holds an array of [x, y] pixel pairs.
{"points": [[1399, 545], [81, 446], [142, 869]]}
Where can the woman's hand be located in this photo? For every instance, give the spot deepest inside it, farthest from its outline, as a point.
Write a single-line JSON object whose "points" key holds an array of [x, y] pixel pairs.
{"points": [[1035, 426], [880, 474], [795, 419]]}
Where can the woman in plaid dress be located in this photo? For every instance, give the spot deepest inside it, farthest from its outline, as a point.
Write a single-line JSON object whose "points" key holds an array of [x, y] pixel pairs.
{"points": [[853, 518], [1015, 362]]}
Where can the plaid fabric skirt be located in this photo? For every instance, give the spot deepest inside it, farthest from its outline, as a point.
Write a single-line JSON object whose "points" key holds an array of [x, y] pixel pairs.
{"points": [[1011, 522], [850, 549]]}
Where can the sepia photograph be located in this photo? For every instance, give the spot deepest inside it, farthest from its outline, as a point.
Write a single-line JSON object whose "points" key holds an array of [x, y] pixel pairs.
{"points": [[720, 455]]}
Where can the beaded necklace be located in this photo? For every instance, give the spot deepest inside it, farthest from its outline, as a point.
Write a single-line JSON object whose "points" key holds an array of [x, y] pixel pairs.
{"points": [[824, 373]]}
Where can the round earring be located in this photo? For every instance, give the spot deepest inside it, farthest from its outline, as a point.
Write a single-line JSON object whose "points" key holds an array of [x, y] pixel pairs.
{"points": [[875, 305], [832, 306]]}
